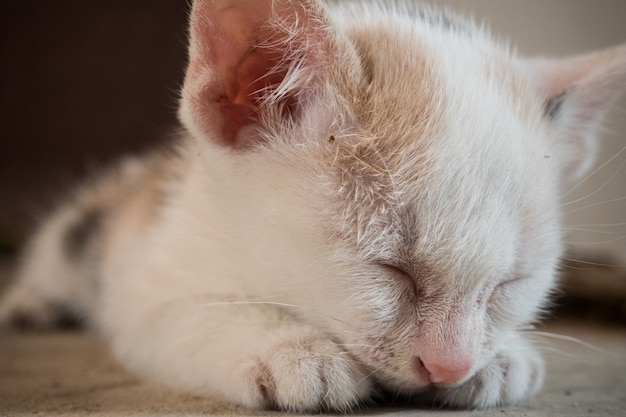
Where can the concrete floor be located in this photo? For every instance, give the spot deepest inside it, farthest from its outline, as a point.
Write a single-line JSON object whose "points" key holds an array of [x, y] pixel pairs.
{"points": [[72, 374]]}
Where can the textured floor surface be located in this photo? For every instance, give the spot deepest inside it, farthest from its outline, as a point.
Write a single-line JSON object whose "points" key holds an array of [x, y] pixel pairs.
{"points": [[72, 374]]}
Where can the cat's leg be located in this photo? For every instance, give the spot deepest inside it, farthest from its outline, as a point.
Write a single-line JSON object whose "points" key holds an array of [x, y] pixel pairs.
{"points": [[253, 355], [54, 283], [515, 373], [58, 279]]}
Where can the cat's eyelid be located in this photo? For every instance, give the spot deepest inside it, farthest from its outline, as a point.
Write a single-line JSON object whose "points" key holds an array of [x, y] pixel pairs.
{"points": [[509, 280], [403, 274], [396, 267]]}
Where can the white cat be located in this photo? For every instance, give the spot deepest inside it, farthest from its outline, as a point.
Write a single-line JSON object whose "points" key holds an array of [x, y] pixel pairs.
{"points": [[367, 199]]}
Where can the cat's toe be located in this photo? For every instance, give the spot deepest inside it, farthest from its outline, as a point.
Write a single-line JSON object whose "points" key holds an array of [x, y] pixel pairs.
{"points": [[507, 379], [308, 374], [24, 309]]}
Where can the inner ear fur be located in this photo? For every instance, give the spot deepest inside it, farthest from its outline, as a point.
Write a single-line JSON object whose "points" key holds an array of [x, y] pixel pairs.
{"points": [[244, 55]]}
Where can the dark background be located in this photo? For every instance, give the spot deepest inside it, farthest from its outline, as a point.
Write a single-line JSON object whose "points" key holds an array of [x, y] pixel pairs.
{"points": [[81, 82]]}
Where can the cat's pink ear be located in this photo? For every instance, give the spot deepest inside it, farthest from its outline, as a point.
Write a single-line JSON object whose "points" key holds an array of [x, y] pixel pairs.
{"points": [[579, 91], [245, 55]]}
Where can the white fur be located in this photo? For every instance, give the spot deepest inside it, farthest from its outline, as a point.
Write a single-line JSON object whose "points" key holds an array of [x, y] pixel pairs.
{"points": [[409, 210]]}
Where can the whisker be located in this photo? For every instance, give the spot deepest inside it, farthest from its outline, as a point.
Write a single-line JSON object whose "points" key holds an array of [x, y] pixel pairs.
{"points": [[576, 268], [600, 225], [600, 188], [593, 263], [613, 200], [575, 341], [359, 345], [583, 229], [219, 326], [342, 356], [228, 303], [601, 242], [274, 303], [550, 350], [365, 377], [595, 171]]}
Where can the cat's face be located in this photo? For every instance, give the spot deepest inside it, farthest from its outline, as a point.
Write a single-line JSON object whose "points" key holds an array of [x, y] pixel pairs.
{"points": [[439, 197], [424, 162]]}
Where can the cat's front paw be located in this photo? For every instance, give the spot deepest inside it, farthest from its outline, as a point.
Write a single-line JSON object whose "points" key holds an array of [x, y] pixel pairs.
{"points": [[507, 379], [309, 373]]}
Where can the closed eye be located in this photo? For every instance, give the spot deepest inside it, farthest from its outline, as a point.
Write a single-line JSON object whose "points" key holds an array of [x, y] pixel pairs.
{"points": [[505, 288], [403, 276], [508, 282]]}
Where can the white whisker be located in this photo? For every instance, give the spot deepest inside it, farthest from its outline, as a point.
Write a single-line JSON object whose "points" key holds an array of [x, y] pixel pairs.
{"points": [[365, 377], [601, 242], [359, 345], [584, 229], [593, 263], [230, 303], [575, 341], [601, 225], [273, 303], [613, 200], [595, 171], [600, 188]]}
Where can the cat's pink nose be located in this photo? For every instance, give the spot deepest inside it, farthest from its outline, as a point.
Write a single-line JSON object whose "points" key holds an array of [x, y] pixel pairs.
{"points": [[446, 374]]}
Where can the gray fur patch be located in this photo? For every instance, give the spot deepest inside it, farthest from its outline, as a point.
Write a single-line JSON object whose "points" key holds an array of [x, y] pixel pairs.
{"points": [[56, 316], [79, 235], [552, 106]]}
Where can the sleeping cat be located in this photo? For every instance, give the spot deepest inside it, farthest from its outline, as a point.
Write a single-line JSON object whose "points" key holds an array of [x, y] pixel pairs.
{"points": [[366, 199]]}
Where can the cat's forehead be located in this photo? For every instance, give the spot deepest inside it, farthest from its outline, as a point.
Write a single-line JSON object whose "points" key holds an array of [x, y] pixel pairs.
{"points": [[443, 144], [431, 100], [404, 94], [418, 78]]}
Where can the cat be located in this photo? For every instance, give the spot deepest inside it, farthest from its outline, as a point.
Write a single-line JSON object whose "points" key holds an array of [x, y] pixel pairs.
{"points": [[366, 199]]}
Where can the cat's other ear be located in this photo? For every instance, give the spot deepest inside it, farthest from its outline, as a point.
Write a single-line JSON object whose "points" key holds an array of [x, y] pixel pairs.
{"points": [[250, 57], [578, 92]]}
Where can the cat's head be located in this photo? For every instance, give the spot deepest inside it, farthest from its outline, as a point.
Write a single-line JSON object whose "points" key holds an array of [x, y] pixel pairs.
{"points": [[432, 158]]}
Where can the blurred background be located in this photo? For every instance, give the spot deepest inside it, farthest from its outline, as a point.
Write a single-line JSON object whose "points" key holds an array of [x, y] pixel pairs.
{"points": [[81, 82], [84, 82]]}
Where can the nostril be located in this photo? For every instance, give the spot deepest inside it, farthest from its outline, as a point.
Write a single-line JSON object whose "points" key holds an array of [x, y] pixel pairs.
{"points": [[420, 369]]}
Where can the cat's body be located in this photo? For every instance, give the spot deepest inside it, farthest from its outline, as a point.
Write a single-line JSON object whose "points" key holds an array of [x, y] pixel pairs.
{"points": [[367, 195]]}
